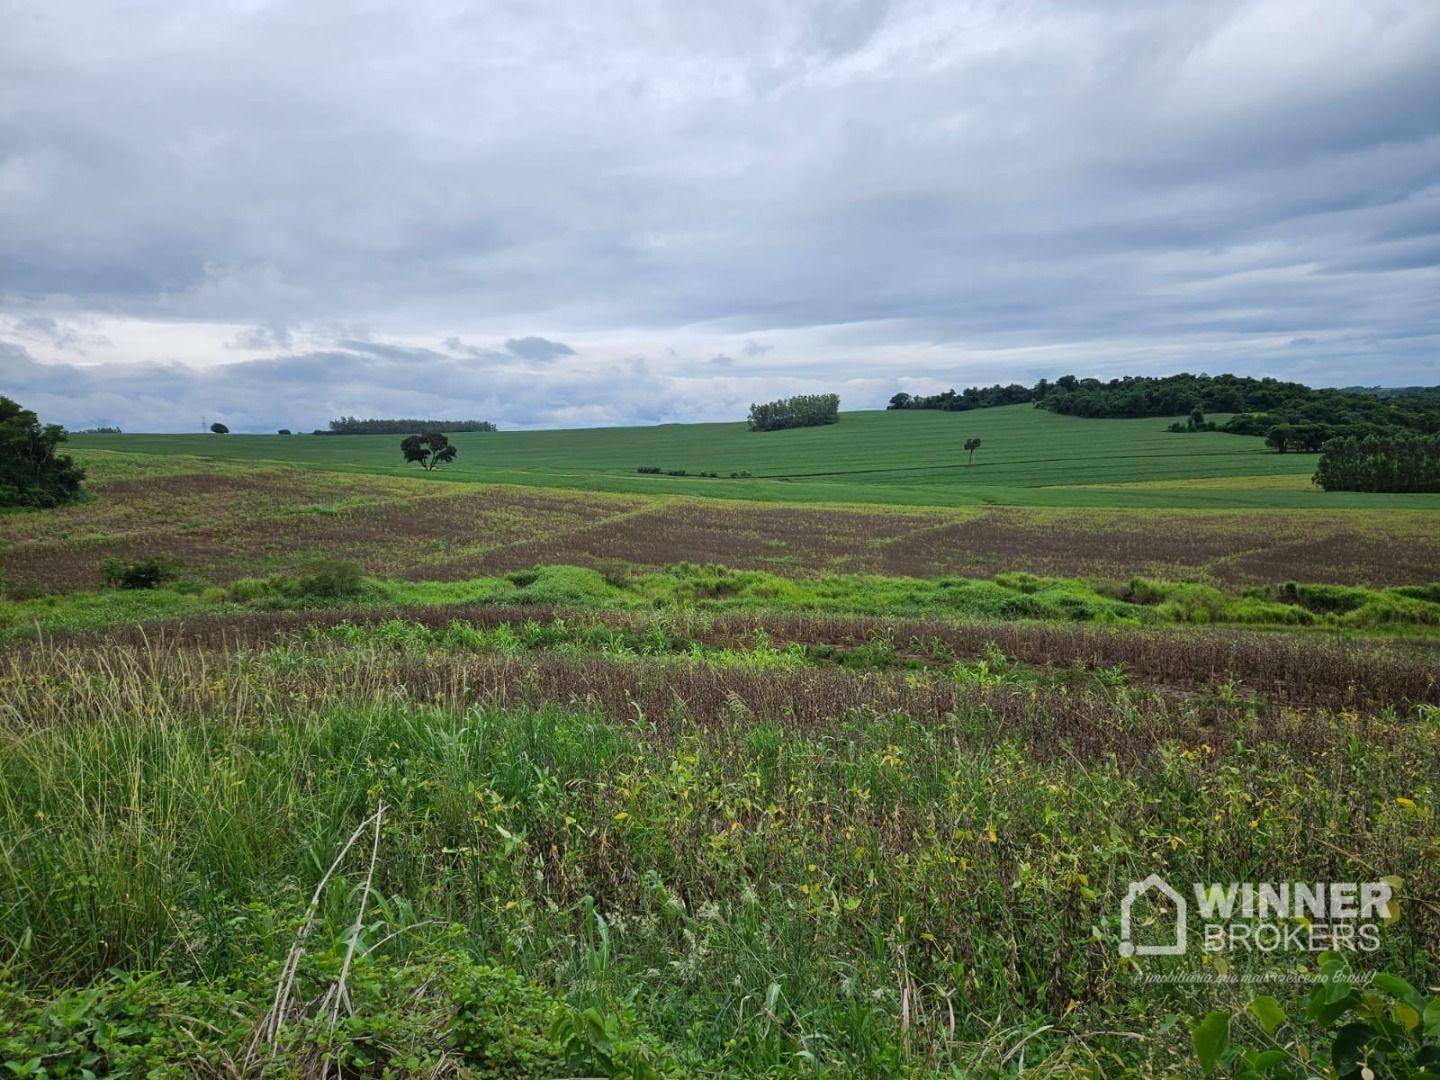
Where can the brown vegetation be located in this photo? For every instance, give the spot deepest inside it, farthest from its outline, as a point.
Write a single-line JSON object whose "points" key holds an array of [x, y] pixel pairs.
{"points": [[101, 681], [224, 522], [1305, 671]]}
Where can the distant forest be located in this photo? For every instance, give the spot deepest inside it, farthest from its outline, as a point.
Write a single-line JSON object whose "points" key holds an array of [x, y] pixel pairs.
{"points": [[1258, 405], [350, 425]]}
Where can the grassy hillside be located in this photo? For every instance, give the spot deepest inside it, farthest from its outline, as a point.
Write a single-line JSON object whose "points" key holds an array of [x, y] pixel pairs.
{"points": [[1028, 457]]}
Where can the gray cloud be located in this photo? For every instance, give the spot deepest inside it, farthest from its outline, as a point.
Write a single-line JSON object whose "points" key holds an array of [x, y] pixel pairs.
{"points": [[538, 349], [261, 338], [60, 335], [304, 391], [912, 189]]}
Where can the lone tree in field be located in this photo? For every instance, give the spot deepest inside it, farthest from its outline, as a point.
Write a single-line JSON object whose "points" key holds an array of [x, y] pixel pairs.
{"points": [[430, 450], [31, 472], [219, 428], [971, 445]]}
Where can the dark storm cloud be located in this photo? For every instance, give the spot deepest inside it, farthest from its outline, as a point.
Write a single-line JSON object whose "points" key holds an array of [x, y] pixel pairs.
{"points": [[1186, 183]]}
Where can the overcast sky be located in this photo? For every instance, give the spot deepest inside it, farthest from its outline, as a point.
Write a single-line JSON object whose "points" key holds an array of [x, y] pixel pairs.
{"points": [[556, 214]]}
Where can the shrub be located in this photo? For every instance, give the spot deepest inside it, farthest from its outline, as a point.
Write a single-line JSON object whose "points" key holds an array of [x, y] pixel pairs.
{"points": [[1328, 599], [1429, 593], [1144, 591], [1392, 611], [328, 580], [1255, 610], [144, 574], [1194, 604]]}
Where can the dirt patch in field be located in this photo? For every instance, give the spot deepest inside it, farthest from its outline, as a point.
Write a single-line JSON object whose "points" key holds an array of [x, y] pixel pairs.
{"points": [[396, 536], [744, 536], [1230, 549], [239, 521]]}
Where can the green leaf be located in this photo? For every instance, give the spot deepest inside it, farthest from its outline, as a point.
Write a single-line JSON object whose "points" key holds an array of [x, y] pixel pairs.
{"points": [[1348, 1047], [1397, 987], [1405, 1015], [1265, 1060], [1268, 1013], [1432, 1017], [1327, 1012], [1212, 1038]]}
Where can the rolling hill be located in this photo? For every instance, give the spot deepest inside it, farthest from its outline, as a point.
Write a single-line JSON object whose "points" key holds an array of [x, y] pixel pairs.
{"points": [[1028, 457]]}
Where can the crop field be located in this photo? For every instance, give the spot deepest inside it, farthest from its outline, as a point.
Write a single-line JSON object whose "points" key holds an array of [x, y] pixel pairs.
{"points": [[588, 774], [1028, 457], [226, 520]]}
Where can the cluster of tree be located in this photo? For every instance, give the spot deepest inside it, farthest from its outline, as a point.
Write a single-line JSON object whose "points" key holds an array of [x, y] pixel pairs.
{"points": [[1194, 422], [803, 410], [32, 472], [972, 397], [97, 431], [219, 428], [1259, 405], [1399, 463], [430, 450], [1303, 438], [350, 425]]}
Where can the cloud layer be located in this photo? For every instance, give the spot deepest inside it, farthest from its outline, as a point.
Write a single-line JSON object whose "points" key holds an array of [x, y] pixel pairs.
{"points": [[629, 212]]}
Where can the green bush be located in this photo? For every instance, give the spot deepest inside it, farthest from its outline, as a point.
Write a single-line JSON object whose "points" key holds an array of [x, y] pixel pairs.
{"points": [[1392, 611], [143, 574], [1329, 599], [1194, 604], [328, 580], [332, 579], [1252, 610], [1429, 593]]}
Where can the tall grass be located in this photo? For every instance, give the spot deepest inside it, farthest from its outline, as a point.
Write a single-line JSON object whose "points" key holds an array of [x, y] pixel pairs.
{"points": [[871, 891]]}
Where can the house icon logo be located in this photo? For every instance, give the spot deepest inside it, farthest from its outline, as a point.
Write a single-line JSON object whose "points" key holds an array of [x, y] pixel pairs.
{"points": [[1154, 883]]}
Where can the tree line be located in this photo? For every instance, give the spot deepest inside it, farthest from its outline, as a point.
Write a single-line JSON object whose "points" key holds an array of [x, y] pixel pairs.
{"points": [[802, 410], [351, 425], [1396, 463], [1313, 415]]}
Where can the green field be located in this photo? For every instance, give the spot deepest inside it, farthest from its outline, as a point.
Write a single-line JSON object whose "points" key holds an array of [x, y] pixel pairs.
{"points": [[539, 767], [1029, 457]]}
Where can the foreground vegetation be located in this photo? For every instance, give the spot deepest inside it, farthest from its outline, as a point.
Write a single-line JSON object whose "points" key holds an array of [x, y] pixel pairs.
{"points": [[148, 589], [685, 847]]}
